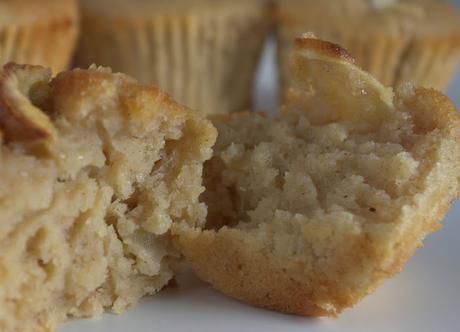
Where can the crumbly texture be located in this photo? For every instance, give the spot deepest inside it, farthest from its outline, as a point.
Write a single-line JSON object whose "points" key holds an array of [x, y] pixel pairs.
{"points": [[203, 52], [310, 210], [398, 40], [95, 168], [41, 32]]}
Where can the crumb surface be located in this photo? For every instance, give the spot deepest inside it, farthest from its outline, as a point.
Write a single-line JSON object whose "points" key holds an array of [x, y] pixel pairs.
{"points": [[310, 210], [95, 168]]}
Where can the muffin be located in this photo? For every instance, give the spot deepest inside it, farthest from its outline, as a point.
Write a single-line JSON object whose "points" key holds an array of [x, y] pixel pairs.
{"points": [[203, 52], [311, 210], [395, 40], [38, 32], [95, 168]]}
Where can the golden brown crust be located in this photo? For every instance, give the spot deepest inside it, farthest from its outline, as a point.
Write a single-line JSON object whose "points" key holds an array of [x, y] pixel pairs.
{"points": [[433, 106], [325, 48], [91, 83], [20, 119], [223, 260]]}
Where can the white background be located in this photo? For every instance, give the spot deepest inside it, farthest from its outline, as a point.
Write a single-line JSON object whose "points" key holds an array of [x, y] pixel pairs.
{"points": [[425, 297]]}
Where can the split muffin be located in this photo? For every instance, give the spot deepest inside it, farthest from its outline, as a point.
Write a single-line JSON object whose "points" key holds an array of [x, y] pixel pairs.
{"points": [[95, 168], [38, 32], [203, 52], [395, 40], [311, 210]]}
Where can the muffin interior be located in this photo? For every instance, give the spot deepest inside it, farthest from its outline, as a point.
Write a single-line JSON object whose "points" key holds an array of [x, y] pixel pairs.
{"points": [[311, 192], [85, 214], [309, 211], [293, 165]]}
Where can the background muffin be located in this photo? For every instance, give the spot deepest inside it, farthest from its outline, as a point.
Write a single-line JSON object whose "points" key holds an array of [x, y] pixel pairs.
{"points": [[395, 40], [203, 52], [38, 32]]}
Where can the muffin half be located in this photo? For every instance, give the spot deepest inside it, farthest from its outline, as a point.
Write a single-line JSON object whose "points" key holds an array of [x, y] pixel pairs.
{"points": [[95, 168], [203, 52], [38, 32], [395, 40], [311, 210]]}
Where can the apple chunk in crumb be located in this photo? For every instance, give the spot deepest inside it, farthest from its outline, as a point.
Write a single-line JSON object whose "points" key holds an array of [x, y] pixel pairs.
{"points": [[21, 87]]}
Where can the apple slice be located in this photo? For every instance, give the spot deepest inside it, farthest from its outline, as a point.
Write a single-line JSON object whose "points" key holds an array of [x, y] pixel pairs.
{"points": [[20, 119], [331, 87]]}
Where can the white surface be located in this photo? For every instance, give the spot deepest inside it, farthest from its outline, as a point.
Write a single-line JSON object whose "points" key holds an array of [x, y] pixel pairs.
{"points": [[424, 297]]}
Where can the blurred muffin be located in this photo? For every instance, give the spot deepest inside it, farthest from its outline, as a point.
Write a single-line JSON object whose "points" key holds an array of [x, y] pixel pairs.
{"points": [[396, 41], [203, 52], [38, 32]]}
